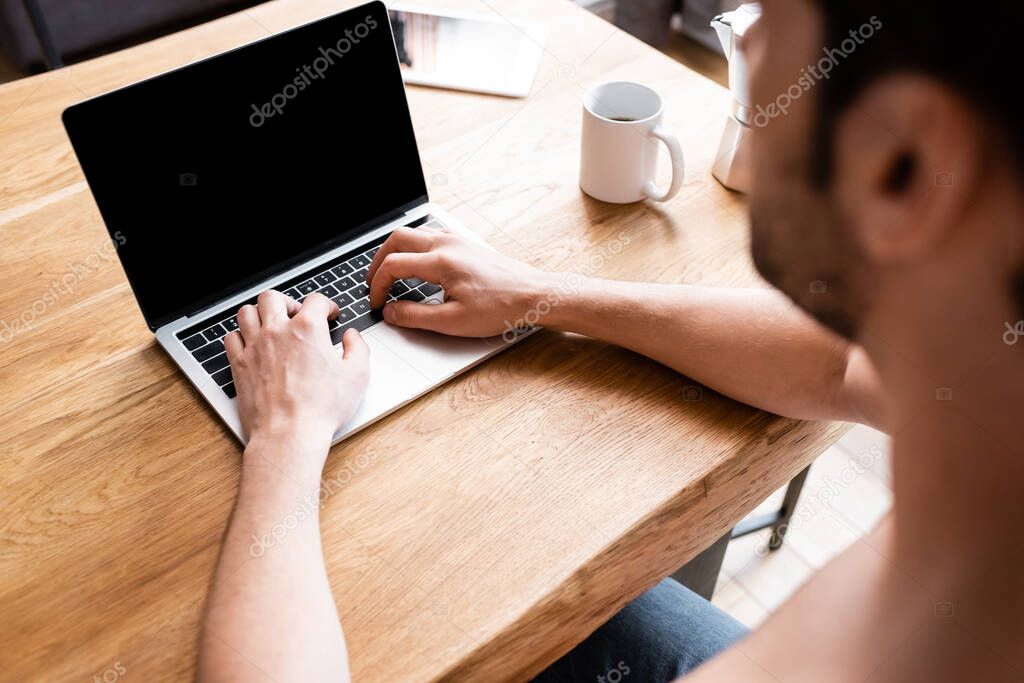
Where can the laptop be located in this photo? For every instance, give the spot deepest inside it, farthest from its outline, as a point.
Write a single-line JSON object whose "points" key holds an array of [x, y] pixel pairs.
{"points": [[281, 164]]}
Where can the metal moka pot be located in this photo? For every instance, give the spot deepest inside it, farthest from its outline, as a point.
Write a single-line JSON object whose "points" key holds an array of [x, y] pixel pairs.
{"points": [[732, 162]]}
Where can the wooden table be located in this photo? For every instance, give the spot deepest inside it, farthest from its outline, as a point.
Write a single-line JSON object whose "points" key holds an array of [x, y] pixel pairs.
{"points": [[476, 534]]}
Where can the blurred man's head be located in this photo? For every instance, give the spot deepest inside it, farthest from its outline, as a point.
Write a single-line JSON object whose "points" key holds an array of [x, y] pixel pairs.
{"points": [[891, 155]]}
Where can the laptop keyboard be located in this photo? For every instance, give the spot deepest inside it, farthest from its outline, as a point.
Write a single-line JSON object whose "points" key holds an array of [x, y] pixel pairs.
{"points": [[342, 280]]}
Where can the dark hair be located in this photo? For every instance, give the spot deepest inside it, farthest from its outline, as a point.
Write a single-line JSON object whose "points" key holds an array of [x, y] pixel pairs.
{"points": [[974, 49]]}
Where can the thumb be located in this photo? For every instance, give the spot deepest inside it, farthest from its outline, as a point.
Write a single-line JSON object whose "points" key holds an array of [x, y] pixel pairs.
{"points": [[437, 317], [354, 347]]}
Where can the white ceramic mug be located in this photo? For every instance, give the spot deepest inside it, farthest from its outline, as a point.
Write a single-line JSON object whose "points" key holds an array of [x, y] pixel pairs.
{"points": [[619, 150]]}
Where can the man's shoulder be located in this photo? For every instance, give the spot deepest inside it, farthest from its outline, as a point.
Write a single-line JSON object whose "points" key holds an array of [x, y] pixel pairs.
{"points": [[861, 618]]}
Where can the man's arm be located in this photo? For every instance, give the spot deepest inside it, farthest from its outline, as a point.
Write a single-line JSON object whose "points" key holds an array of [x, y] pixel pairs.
{"points": [[270, 614], [750, 344]]}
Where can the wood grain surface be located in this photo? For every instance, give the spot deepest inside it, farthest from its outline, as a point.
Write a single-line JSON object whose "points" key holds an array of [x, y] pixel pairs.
{"points": [[476, 534]]}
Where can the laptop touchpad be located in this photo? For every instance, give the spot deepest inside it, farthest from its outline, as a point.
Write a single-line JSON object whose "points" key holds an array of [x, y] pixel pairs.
{"points": [[436, 356]]}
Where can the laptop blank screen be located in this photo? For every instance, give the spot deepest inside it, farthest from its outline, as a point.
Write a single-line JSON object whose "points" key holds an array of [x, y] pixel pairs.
{"points": [[220, 173]]}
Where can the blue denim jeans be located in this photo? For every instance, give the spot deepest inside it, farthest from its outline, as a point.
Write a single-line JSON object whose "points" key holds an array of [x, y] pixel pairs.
{"points": [[660, 636]]}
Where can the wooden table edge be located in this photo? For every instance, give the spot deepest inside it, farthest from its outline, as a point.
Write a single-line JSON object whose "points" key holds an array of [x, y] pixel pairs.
{"points": [[528, 655]]}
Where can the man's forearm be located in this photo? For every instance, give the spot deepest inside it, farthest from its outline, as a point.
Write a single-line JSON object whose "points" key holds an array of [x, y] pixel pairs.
{"points": [[270, 612], [750, 344]]}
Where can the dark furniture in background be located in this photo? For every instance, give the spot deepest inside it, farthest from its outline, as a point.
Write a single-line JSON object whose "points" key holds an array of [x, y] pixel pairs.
{"points": [[649, 20], [45, 34]]}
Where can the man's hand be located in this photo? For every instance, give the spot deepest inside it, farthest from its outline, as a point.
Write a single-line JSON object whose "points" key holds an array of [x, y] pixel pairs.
{"points": [[485, 292], [288, 375]]}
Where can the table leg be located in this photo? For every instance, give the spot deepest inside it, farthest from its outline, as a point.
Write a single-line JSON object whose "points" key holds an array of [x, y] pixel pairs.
{"points": [[701, 573], [778, 521]]}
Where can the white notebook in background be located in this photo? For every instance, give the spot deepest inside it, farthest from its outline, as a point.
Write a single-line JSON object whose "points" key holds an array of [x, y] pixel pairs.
{"points": [[486, 54]]}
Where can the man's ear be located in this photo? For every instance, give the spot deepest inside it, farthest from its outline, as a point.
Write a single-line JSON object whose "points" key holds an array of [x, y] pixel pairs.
{"points": [[906, 163]]}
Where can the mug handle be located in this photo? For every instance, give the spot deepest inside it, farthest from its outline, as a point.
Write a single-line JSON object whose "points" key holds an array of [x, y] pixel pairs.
{"points": [[675, 152]]}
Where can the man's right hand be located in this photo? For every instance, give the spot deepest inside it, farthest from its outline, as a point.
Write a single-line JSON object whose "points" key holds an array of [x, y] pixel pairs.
{"points": [[486, 293], [291, 380]]}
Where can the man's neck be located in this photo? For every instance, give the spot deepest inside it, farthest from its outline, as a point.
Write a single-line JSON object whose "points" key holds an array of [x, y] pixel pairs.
{"points": [[956, 400]]}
